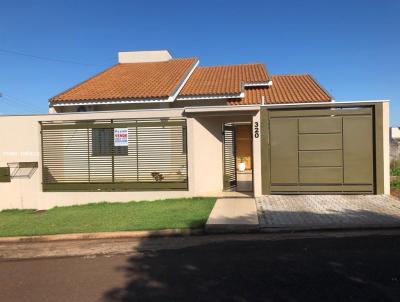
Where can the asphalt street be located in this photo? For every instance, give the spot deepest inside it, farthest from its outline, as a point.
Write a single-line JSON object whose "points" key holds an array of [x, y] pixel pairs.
{"points": [[363, 268]]}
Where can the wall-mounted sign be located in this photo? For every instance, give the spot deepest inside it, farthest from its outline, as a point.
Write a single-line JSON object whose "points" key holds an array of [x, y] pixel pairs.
{"points": [[256, 130], [120, 137]]}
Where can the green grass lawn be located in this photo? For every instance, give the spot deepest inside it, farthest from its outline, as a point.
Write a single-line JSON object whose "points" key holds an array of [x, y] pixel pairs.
{"points": [[108, 217]]}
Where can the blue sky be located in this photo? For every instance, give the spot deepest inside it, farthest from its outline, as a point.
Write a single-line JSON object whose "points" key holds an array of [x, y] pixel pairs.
{"points": [[351, 47]]}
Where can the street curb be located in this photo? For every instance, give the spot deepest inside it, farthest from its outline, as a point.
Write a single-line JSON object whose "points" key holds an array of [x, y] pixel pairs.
{"points": [[104, 235], [328, 228], [189, 232]]}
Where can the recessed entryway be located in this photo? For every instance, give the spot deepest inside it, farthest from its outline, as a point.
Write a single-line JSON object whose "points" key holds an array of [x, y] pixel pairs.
{"points": [[238, 157]]}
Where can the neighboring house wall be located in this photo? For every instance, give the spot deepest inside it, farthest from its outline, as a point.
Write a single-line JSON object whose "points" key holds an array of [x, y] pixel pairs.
{"points": [[394, 150], [395, 133], [394, 143]]}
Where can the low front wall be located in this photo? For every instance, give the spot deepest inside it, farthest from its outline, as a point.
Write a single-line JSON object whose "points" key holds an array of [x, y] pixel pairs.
{"points": [[21, 142]]}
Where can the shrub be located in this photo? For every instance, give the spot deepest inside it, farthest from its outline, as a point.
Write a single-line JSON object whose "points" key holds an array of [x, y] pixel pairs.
{"points": [[395, 184], [395, 171]]}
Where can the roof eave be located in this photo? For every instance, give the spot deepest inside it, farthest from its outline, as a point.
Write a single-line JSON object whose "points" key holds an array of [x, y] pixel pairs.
{"points": [[110, 102], [210, 96]]}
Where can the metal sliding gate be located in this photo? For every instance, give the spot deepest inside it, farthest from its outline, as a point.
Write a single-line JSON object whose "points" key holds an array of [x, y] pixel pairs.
{"points": [[114, 155], [321, 151]]}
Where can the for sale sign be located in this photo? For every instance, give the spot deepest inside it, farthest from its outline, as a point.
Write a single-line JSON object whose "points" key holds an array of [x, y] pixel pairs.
{"points": [[120, 137]]}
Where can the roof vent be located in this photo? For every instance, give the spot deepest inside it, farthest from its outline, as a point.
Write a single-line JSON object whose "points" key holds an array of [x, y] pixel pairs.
{"points": [[143, 56]]}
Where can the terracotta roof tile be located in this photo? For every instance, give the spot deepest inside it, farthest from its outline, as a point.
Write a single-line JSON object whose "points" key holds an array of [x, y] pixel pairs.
{"points": [[223, 80], [285, 89], [131, 81]]}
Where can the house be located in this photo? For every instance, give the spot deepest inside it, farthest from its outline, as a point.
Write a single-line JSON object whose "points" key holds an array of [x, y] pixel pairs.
{"points": [[395, 133], [153, 126], [394, 143]]}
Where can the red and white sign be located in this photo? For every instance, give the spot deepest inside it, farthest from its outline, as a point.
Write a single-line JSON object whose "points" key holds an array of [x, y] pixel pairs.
{"points": [[120, 137]]}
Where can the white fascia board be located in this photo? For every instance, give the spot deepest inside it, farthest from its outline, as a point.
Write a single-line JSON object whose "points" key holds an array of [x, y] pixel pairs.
{"points": [[327, 104], [222, 108], [269, 83], [210, 97], [174, 96], [111, 102]]}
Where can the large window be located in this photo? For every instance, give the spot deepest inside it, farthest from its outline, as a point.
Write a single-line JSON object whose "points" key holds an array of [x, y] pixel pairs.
{"points": [[103, 143], [84, 155]]}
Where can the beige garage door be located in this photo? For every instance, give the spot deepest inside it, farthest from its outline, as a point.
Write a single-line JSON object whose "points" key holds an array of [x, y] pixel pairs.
{"points": [[321, 151]]}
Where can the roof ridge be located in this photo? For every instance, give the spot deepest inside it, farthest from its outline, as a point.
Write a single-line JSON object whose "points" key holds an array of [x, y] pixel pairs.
{"points": [[231, 65], [291, 74]]}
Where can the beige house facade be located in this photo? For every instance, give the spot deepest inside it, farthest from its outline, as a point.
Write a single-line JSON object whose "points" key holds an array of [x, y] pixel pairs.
{"points": [[153, 127]]}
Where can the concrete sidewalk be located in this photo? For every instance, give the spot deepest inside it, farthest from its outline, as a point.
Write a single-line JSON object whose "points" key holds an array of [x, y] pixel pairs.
{"points": [[233, 214]]}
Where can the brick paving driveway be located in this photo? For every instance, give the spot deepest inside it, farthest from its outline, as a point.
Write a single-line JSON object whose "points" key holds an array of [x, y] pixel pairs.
{"points": [[330, 211]]}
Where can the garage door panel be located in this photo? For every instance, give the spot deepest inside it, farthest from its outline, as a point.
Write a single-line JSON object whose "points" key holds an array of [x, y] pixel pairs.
{"points": [[326, 158], [320, 124], [321, 175], [318, 153], [284, 166], [281, 188], [326, 188], [357, 154], [321, 189], [336, 188], [320, 141]]}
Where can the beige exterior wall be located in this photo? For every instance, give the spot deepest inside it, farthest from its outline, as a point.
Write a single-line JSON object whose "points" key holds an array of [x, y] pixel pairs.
{"points": [[205, 149], [144, 56], [21, 141], [257, 181], [386, 148]]}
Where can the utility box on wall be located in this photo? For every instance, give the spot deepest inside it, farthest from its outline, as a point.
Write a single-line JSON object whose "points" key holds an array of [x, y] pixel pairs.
{"points": [[5, 174]]}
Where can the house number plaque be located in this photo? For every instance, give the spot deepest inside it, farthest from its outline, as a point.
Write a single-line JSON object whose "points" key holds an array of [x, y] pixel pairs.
{"points": [[256, 130]]}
